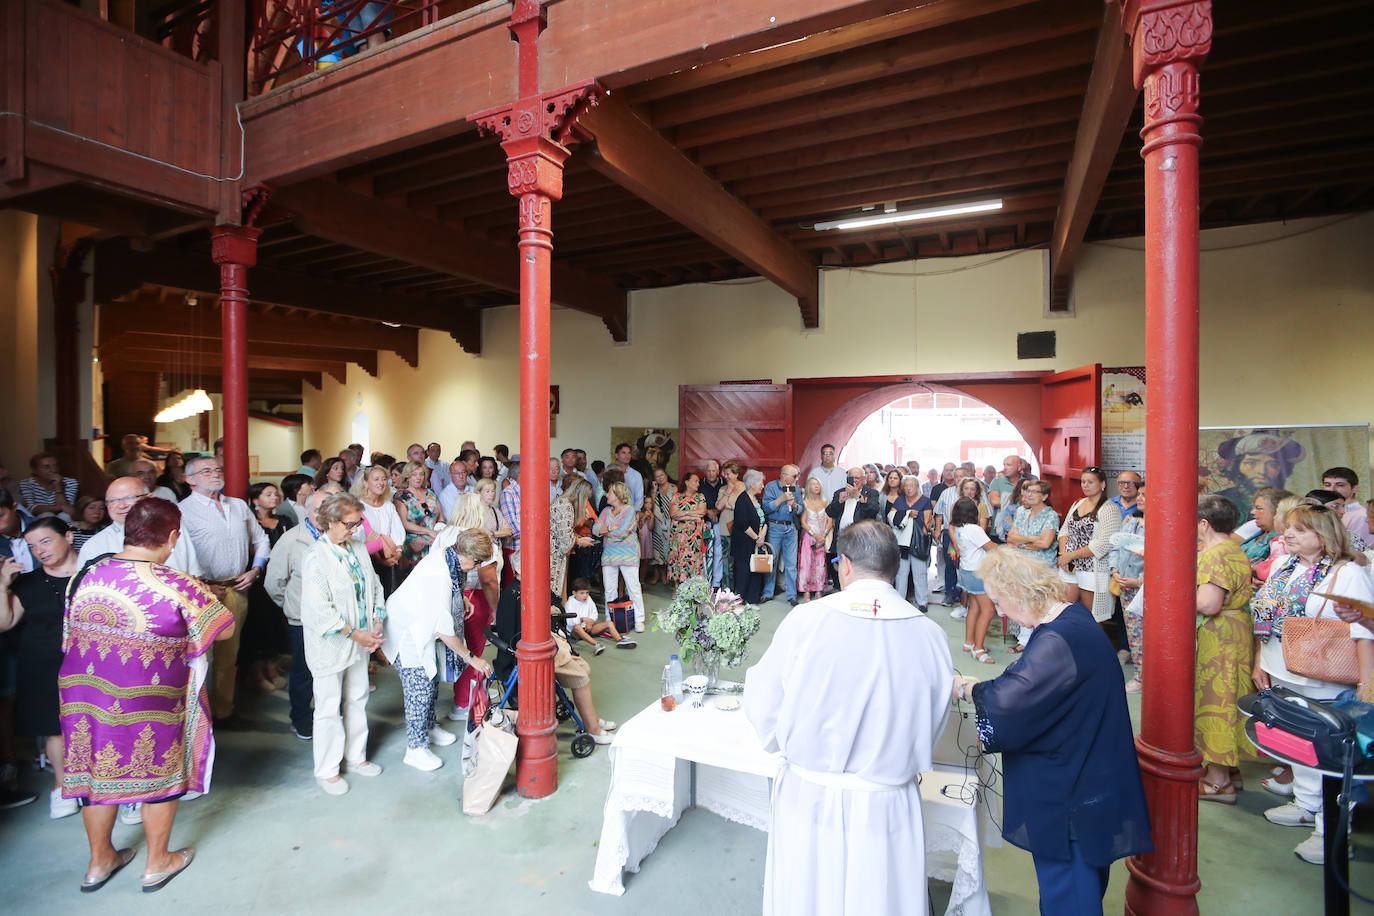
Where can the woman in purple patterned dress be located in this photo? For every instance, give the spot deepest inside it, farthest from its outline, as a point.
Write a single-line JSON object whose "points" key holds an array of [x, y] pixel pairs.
{"points": [[134, 712]]}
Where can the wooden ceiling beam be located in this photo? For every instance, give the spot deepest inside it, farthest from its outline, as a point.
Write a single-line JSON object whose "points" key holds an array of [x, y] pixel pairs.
{"points": [[458, 166], [302, 331], [324, 209], [949, 82], [872, 188], [1269, 184], [1107, 107], [1007, 100], [1355, 124], [120, 268], [1012, 182], [639, 159], [172, 358], [363, 357], [273, 379], [957, 43], [1023, 141], [813, 152], [925, 17]]}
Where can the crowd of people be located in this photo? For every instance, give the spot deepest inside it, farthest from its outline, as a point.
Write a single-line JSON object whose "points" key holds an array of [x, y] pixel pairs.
{"points": [[354, 563]]}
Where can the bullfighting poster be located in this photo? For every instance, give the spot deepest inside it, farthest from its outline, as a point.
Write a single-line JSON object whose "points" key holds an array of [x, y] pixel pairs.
{"points": [[1123, 420]]}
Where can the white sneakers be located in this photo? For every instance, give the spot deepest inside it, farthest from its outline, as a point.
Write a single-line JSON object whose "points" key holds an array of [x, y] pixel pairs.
{"points": [[59, 807], [131, 814], [441, 738], [1313, 849], [1290, 815], [458, 714], [422, 758]]}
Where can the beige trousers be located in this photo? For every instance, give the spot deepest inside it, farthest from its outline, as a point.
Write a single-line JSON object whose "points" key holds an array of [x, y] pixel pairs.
{"points": [[224, 658]]}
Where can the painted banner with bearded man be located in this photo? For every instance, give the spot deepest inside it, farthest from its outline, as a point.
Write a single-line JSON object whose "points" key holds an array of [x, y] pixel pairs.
{"points": [[1235, 462]]}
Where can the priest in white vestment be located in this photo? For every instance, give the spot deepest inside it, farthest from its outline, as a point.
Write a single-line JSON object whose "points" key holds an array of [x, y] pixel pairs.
{"points": [[853, 692]]}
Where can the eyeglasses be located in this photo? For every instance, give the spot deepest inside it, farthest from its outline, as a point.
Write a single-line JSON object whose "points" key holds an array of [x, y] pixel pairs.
{"points": [[1127, 483], [353, 525], [123, 500], [214, 472], [1093, 470]]}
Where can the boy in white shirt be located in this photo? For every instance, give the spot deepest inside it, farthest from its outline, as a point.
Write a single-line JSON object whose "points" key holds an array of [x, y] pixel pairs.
{"points": [[580, 618]]}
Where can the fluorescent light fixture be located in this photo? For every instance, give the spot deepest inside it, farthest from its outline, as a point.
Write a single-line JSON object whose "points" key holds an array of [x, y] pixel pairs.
{"points": [[907, 216]]}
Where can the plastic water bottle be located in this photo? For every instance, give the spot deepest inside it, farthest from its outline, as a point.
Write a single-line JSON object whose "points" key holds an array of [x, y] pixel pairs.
{"points": [[667, 701], [675, 675]]}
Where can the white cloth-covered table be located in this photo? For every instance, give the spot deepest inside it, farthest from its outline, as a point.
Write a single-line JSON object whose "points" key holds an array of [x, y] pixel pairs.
{"points": [[664, 762]]}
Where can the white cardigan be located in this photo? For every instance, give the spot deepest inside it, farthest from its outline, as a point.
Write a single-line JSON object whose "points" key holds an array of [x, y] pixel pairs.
{"points": [[1108, 523], [328, 599], [420, 608]]}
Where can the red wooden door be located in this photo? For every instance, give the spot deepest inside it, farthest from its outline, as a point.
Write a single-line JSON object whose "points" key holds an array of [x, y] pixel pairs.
{"points": [[750, 423], [1071, 430]]}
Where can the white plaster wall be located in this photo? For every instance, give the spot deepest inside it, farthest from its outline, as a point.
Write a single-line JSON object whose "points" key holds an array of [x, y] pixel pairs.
{"points": [[1286, 309]]}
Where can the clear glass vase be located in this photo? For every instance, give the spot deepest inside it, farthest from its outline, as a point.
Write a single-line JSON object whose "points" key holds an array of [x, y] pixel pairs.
{"points": [[707, 663]]}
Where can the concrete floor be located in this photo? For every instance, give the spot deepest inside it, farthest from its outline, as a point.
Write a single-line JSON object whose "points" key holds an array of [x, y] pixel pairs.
{"points": [[268, 839]]}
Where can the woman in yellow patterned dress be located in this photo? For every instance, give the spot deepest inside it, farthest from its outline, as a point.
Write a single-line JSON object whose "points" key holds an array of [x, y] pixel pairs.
{"points": [[1224, 648]]}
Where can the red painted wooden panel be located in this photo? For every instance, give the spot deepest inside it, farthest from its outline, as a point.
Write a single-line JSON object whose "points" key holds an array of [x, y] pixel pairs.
{"points": [[1071, 430], [47, 96], [112, 92], [749, 423]]}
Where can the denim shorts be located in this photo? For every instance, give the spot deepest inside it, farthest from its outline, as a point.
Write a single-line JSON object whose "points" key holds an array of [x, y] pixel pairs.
{"points": [[970, 582]]}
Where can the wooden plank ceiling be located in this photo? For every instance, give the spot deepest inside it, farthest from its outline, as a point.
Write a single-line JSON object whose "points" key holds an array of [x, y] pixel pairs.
{"points": [[943, 103]]}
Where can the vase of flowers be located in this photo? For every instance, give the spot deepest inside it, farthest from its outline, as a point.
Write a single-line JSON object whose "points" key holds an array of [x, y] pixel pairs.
{"points": [[712, 628]]}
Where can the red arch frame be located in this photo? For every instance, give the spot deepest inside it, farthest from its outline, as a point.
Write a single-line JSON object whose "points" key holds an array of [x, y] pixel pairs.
{"points": [[831, 409]]}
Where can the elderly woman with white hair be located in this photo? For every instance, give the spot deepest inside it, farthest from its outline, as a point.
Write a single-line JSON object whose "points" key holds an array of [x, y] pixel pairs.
{"points": [[341, 618], [430, 606], [750, 533], [1058, 716]]}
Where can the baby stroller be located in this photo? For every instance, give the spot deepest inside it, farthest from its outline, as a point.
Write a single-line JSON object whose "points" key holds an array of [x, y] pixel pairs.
{"points": [[501, 691]]}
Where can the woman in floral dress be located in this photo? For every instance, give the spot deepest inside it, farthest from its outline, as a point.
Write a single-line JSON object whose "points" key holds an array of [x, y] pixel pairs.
{"points": [[688, 514], [420, 512]]}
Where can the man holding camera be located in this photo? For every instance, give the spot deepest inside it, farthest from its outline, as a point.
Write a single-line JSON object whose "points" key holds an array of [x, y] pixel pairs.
{"points": [[782, 506], [854, 502]]}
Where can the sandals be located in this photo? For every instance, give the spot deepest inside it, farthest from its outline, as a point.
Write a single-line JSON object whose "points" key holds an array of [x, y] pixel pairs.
{"points": [[1237, 779], [968, 647], [156, 882], [1017, 649], [90, 885], [1225, 795], [982, 655]]}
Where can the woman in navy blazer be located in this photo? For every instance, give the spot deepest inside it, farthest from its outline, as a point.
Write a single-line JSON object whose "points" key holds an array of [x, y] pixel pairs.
{"points": [[1058, 716]]}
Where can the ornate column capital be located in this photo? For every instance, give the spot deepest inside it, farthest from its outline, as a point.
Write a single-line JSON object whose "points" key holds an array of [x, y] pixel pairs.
{"points": [[1166, 31], [234, 245]]}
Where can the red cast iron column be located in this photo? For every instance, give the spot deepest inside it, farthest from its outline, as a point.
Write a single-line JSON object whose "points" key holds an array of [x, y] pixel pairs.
{"points": [[1169, 40], [235, 249], [533, 132]]}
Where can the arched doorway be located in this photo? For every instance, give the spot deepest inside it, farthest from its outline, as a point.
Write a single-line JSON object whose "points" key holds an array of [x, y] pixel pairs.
{"points": [[933, 427], [830, 410]]}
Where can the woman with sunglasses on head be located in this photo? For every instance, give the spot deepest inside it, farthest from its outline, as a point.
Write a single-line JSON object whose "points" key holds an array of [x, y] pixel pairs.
{"points": [[342, 612], [1085, 545], [1320, 562]]}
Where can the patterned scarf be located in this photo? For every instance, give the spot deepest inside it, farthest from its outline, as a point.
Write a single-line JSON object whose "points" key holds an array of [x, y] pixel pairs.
{"points": [[1285, 595], [459, 578], [355, 572]]}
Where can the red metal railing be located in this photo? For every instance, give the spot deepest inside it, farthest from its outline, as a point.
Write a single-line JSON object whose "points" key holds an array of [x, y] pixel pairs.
{"points": [[294, 37]]}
